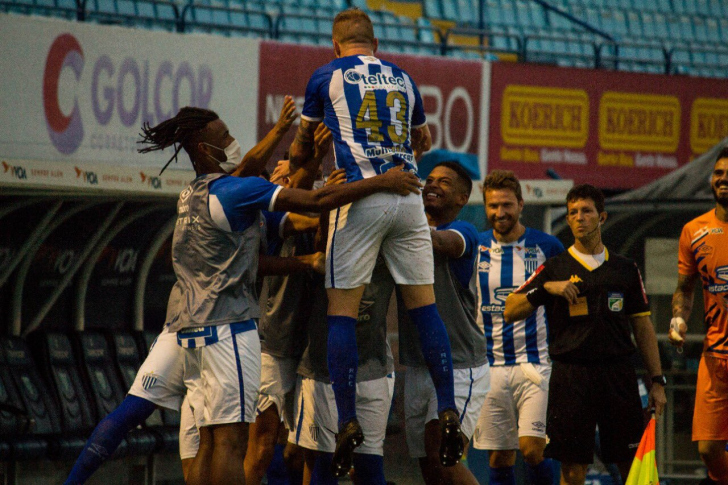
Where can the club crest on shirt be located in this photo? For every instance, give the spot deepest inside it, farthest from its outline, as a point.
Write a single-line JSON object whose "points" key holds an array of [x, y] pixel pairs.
{"points": [[313, 430], [615, 301]]}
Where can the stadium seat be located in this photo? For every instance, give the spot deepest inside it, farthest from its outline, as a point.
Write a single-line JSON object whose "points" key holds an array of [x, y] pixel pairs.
{"points": [[432, 9]]}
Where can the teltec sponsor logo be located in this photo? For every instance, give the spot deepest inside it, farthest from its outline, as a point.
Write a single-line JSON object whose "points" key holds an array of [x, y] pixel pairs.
{"points": [[375, 81], [130, 90]]}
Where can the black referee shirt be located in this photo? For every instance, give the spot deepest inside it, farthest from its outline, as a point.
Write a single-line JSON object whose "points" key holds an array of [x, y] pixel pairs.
{"points": [[597, 328]]}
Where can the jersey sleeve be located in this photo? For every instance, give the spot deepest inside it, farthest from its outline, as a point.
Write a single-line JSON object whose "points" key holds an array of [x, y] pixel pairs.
{"points": [[313, 105], [274, 225], [685, 259], [636, 303], [418, 110], [469, 235], [536, 281], [241, 194], [554, 248]]}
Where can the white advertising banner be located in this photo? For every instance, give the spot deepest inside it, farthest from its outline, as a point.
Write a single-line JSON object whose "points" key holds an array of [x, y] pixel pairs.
{"points": [[79, 92]]}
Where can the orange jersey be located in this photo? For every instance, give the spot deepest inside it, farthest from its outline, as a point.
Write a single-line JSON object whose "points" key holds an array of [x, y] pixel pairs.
{"points": [[704, 250]]}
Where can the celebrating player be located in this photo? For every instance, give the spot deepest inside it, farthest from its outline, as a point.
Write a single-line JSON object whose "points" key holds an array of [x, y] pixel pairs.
{"points": [[703, 255], [594, 302], [215, 254], [375, 113], [455, 243], [514, 414]]}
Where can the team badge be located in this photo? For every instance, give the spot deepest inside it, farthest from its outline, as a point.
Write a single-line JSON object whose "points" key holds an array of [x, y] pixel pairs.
{"points": [[148, 381], [615, 301], [314, 432]]}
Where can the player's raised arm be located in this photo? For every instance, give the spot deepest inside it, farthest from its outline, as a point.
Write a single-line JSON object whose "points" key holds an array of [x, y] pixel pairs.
{"points": [[304, 178], [421, 140], [255, 160], [333, 196], [303, 145]]}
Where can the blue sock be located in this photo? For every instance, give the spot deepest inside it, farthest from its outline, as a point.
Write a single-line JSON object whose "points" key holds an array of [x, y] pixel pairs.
{"points": [[541, 474], [277, 470], [369, 469], [502, 476], [343, 360], [321, 474], [108, 435], [435, 346]]}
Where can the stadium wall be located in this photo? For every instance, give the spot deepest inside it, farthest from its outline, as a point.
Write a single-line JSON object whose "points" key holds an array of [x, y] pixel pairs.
{"points": [[75, 94]]}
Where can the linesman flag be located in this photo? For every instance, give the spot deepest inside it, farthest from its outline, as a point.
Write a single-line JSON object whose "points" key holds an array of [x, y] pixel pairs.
{"points": [[644, 466]]}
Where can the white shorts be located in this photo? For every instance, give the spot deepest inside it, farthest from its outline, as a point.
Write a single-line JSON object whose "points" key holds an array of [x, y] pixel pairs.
{"points": [[394, 223], [189, 435], [317, 418], [277, 382], [514, 407], [420, 402], [160, 378], [223, 379]]}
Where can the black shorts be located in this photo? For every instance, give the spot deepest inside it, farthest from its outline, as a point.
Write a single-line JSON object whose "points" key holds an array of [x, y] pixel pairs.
{"points": [[584, 396]]}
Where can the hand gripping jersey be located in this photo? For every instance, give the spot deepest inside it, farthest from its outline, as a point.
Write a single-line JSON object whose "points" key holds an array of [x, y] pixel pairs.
{"points": [[501, 269], [215, 250], [704, 250], [369, 105]]}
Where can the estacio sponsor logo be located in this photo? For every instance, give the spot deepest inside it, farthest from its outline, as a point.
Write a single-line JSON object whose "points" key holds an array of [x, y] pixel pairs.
{"points": [[152, 181], [375, 81], [542, 116], [708, 123], [500, 295], [16, 171], [87, 176], [639, 122]]}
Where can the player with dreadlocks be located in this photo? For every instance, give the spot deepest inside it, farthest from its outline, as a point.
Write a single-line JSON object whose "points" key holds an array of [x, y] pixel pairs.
{"points": [[215, 257], [159, 381]]}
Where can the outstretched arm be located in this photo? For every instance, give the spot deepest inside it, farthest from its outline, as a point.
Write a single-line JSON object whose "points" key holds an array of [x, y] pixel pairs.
{"points": [[255, 160], [333, 196], [421, 140]]}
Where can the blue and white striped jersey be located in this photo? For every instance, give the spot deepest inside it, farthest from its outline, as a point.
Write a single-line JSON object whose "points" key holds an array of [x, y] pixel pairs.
{"points": [[501, 269], [369, 105]]}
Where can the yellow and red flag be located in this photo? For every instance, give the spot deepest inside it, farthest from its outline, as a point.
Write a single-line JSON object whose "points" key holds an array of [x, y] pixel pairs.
{"points": [[644, 466]]}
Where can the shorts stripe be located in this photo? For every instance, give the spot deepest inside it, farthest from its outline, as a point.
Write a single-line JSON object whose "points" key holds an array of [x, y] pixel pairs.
{"points": [[300, 421], [240, 378], [331, 252], [470, 394]]}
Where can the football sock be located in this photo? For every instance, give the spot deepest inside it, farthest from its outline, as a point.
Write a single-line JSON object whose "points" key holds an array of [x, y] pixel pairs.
{"points": [[435, 346], [108, 435], [502, 476], [369, 469], [541, 474], [343, 361], [321, 474], [277, 471]]}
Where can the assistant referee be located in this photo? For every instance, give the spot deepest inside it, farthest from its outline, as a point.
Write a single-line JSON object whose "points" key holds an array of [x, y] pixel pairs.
{"points": [[594, 301]]}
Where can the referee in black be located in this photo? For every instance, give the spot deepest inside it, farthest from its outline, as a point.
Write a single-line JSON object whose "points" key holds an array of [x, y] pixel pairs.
{"points": [[594, 301]]}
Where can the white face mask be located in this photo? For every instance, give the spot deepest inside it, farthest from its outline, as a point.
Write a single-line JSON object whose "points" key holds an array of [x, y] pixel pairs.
{"points": [[317, 184], [233, 153]]}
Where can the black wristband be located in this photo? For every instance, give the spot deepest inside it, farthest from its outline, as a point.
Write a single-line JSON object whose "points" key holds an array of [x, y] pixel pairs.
{"points": [[537, 296]]}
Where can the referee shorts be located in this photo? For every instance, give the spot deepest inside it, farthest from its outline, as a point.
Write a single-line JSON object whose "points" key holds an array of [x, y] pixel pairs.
{"points": [[584, 396]]}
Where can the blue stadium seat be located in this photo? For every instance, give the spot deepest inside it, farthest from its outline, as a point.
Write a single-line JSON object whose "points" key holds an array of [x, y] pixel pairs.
{"points": [[449, 10], [493, 14], [538, 15], [432, 9], [661, 29], [468, 11], [509, 15], [723, 23]]}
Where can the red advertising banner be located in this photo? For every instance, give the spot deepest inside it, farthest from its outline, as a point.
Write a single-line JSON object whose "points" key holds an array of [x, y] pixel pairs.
{"points": [[451, 91], [612, 129]]}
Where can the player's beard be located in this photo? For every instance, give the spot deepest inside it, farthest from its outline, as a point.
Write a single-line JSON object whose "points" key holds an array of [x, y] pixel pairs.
{"points": [[510, 224], [722, 200]]}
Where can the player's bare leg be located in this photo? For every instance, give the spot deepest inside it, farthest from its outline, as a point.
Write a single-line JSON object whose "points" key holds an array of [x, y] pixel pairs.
{"points": [[228, 454], [199, 470], [573, 473], [343, 361], [715, 458], [432, 470], [263, 436], [420, 303]]}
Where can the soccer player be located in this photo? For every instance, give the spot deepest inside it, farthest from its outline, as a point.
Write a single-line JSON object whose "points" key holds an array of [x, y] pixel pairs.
{"points": [[455, 243], [159, 381], [215, 254], [703, 257], [315, 410], [375, 113], [595, 301], [514, 414]]}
